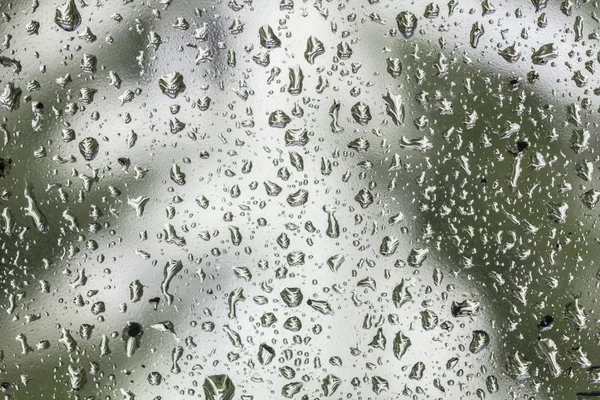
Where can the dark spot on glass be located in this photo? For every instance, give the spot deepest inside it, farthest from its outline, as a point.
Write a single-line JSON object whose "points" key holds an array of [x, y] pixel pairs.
{"points": [[154, 301], [546, 323], [5, 164], [533, 77], [134, 329], [124, 162], [522, 146]]}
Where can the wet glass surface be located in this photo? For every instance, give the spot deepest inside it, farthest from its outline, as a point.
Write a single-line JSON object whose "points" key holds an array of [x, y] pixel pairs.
{"points": [[287, 199]]}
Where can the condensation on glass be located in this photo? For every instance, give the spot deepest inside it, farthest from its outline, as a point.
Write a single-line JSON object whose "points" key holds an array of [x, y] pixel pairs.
{"points": [[237, 200]]}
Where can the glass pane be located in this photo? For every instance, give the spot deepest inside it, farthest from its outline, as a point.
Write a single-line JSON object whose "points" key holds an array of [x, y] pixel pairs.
{"points": [[362, 199]]}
